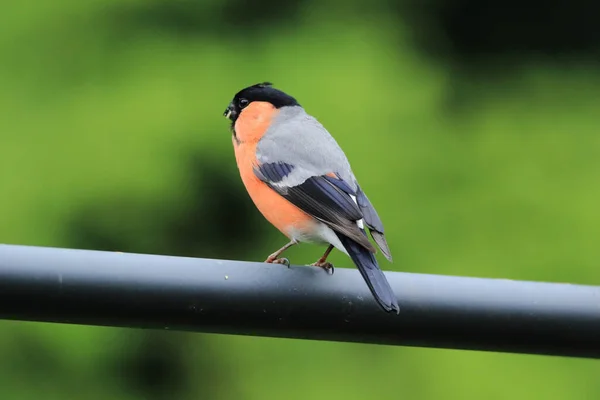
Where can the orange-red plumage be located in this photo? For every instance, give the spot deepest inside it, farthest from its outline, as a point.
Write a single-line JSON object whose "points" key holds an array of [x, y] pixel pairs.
{"points": [[250, 127]]}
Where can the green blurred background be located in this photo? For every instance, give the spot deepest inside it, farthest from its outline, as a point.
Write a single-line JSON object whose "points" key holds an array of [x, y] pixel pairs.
{"points": [[472, 125]]}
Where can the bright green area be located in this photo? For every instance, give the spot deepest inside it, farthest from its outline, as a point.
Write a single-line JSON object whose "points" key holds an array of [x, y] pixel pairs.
{"points": [[506, 185]]}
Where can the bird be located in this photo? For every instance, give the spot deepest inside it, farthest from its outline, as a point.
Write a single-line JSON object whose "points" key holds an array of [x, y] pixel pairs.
{"points": [[301, 181]]}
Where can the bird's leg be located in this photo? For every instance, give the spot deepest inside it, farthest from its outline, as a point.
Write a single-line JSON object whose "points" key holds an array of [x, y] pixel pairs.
{"points": [[274, 258], [322, 262]]}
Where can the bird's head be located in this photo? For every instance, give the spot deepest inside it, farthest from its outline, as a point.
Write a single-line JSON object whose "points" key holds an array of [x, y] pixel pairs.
{"points": [[261, 92]]}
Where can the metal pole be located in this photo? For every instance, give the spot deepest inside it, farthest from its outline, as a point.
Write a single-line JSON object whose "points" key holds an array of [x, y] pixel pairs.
{"points": [[249, 298]]}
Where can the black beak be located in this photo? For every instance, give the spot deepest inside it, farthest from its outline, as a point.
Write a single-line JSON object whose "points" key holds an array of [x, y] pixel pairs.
{"points": [[229, 112]]}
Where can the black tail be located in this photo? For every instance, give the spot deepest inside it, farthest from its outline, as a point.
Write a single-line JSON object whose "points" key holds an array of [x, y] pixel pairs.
{"points": [[372, 274]]}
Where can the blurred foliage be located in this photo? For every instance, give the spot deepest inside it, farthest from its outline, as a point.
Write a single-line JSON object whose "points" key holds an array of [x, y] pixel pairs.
{"points": [[489, 35], [472, 126]]}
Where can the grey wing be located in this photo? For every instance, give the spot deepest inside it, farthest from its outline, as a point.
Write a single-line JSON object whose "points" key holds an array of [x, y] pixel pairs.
{"points": [[296, 138], [297, 154]]}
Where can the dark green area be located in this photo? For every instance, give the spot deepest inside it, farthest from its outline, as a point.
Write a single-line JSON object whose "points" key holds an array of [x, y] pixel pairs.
{"points": [[475, 133]]}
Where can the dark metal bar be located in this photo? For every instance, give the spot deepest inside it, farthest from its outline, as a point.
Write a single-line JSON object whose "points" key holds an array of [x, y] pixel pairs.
{"points": [[248, 298]]}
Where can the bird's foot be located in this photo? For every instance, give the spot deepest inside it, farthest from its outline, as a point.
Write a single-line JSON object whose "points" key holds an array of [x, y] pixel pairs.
{"points": [[327, 266], [272, 259]]}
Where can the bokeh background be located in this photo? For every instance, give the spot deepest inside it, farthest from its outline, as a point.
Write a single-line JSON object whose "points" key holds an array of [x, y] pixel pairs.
{"points": [[474, 127]]}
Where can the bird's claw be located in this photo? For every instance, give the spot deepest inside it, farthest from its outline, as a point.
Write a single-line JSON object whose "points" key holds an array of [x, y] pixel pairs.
{"points": [[283, 261], [327, 266]]}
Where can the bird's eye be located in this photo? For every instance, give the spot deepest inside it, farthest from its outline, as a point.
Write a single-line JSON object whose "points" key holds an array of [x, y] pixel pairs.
{"points": [[243, 103]]}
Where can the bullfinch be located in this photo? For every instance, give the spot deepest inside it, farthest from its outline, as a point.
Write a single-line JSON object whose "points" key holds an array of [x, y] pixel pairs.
{"points": [[301, 181]]}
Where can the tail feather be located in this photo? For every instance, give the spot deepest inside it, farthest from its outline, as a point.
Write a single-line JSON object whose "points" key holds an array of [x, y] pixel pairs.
{"points": [[371, 273]]}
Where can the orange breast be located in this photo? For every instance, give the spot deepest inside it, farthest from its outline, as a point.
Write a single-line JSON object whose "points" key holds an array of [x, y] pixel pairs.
{"points": [[250, 127]]}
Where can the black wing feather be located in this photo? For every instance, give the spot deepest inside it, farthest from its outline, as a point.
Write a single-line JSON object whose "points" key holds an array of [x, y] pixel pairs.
{"points": [[371, 217], [322, 197], [273, 172], [374, 223], [340, 184]]}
